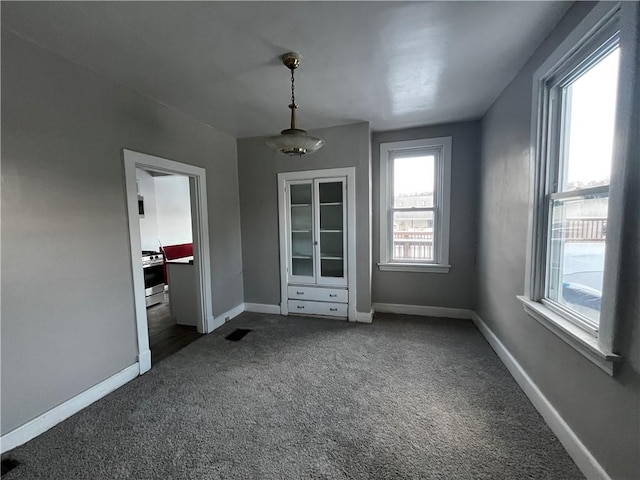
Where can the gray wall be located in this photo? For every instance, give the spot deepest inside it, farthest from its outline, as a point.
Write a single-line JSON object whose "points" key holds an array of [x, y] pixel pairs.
{"points": [[173, 204], [67, 291], [149, 222], [346, 146], [455, 289], [603, 411]]}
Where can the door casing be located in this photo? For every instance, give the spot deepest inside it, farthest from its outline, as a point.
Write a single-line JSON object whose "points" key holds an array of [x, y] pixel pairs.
{"points": [[201, 250]]}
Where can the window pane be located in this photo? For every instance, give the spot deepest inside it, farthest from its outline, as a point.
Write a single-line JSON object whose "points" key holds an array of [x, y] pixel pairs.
{"points": [[331, 244], [330, 267], [301, 217], [301, 194], [589, 124], [301, 244], [330, 192], [302, 267], [576, 261], [413, 236], [331, 217], [413, 181]]}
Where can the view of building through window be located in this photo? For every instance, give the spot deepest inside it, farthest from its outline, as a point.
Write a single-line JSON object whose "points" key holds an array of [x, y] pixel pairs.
{"points": [[413, 208], [579, 222]]}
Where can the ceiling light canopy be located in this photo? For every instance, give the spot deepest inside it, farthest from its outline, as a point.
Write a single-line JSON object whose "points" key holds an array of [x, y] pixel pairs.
{"points": [[294, 141]]}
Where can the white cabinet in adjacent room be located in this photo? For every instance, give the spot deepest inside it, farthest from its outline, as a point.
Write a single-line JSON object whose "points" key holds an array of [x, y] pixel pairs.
{"points": [[317, 242]]}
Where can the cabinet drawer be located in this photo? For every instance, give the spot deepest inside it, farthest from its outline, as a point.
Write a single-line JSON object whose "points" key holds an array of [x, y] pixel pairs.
{"points": [[317, 308], [317, 294]]}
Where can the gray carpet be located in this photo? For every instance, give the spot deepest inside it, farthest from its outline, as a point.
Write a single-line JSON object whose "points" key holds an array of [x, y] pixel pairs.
{"points": [[405, 397]]}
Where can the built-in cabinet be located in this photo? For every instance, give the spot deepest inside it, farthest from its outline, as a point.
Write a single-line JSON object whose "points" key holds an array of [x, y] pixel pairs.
{"points": [[317, 242]]}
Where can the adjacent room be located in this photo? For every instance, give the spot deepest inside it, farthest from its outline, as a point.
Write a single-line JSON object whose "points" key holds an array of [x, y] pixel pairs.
{"points": [[320, 240]]}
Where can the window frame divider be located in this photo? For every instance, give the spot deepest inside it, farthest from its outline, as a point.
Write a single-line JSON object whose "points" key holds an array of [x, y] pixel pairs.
{"points": [[580, 192]]}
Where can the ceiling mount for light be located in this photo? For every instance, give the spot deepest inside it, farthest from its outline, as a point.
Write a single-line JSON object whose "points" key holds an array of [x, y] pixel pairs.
{"points": [[293, 141]]}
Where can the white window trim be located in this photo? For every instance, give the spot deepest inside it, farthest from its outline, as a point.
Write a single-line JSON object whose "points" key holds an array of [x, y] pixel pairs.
{"points": [[597, 347], [443, 190]]}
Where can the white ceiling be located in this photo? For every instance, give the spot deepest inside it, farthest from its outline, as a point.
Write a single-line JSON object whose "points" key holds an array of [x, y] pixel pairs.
{"points": [[394, 64]]}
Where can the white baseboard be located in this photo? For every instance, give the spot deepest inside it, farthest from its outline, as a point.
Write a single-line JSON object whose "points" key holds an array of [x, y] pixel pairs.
{"points": [[144, 361], [219, 320], [583, 458], [262, 308], [214, 323], [422, 310], [233, 313], [50, 419], [364, 317]]}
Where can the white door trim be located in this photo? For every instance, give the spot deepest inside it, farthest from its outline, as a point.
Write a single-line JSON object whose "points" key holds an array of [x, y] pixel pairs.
{"points": [[202, 261]]}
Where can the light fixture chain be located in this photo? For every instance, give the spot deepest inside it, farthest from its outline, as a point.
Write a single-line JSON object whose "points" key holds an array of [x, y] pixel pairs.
{"points": [[293, 95]]}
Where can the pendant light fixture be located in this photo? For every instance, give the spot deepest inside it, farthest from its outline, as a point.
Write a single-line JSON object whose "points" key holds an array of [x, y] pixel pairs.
{"points": [[293, 141]]}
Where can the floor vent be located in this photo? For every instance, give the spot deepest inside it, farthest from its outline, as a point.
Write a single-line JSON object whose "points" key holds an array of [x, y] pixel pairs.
{"points": [[8, 465], [238, 334]]}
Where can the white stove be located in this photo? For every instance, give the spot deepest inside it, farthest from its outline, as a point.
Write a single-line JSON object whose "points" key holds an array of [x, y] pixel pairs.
{"points": [[153, 267], [151, 258]]}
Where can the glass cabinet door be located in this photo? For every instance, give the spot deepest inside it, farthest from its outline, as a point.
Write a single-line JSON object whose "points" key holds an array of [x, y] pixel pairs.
{"points": [[331, 231], [301, 231]]}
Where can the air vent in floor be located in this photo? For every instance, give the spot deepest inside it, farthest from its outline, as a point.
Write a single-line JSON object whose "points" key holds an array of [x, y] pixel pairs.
{"points": [[238, 334], [9, 464]]}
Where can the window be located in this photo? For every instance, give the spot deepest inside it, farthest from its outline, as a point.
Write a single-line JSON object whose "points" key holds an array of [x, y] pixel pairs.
{"points": [[578, 188], [575, 103], [415, 178]]}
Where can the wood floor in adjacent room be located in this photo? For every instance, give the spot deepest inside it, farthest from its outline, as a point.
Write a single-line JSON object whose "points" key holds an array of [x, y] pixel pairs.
{"points": [[165, 336]]}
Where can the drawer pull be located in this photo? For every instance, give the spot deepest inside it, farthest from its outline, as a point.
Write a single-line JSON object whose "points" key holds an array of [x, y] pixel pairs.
{"points": [[300, 306], [333, 294], [333, 309], [299, 293]]}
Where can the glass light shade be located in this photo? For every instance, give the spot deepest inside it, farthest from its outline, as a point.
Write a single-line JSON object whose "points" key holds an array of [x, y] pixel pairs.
{"points": [[294, 142]]}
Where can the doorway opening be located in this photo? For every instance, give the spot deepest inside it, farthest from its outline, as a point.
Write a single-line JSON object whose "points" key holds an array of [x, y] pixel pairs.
{"points": [[166, 203], [166, 236]]}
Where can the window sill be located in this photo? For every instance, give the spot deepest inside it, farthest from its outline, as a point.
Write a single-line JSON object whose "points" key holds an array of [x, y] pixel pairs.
{"points": [[580, 340], [414, 267]]}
